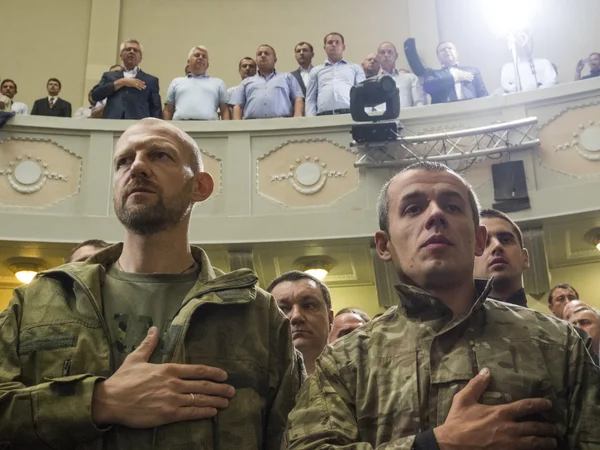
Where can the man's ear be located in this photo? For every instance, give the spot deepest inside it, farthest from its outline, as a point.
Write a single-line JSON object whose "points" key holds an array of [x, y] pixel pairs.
{"points": [[381, 245], [480, 240], [525, 258], [330, 319], [204, 186]]}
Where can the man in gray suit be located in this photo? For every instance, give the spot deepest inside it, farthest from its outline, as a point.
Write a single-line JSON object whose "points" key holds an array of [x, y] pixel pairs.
{"points": [[411, 90], [304, 53]]}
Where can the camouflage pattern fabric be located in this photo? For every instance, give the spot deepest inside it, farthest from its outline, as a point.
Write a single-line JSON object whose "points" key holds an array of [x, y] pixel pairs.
{"points": [[395, 377], [54, 346]]}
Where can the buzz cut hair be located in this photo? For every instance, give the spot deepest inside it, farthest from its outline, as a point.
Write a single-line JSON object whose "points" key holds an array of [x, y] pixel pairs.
{"points": [[561, 286], [383, 202], [495, 214], [312, 50], [96, 243], [131, 41], [245, 58], [196, 155], [388, 43], [197, 47], [267, 45], [359, 312], [336, 34], [297, 275]]}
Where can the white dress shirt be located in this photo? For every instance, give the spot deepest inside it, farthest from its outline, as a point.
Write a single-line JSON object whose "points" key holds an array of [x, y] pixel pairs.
{"points": [[19, 108], [131, 73], [457, 84], [544, 75], [304, 74], [50, 99], [411, 90], [329, 86]]}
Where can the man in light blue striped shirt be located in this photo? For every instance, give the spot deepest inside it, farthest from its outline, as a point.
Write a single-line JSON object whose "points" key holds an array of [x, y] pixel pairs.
{"points": [[196, 96], [329, 84], [269, 93]]}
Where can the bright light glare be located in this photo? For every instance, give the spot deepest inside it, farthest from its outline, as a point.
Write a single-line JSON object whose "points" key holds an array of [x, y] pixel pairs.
{"points": [[598, 246], [25, 276], [319, 274], [505, 17]]}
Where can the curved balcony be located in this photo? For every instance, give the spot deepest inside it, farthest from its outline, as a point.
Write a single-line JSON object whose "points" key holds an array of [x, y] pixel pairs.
{"points": [[284, 180]]}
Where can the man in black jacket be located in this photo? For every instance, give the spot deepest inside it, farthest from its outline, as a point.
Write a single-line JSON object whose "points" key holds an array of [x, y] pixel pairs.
{"points": [[132, 93], [52, 105], [504, 259], [453, 82]]}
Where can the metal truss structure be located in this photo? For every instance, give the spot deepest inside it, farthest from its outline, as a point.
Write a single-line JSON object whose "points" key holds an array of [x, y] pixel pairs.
{"points": [[458, 149]]}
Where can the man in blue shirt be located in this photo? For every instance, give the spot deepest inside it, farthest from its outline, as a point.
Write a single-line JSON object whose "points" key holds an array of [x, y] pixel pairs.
{"points": [[268, 93], [329, 84], [196, 96]]}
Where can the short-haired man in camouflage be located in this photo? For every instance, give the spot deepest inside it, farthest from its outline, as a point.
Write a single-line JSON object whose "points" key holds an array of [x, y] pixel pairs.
{"points": [[448, 368]]}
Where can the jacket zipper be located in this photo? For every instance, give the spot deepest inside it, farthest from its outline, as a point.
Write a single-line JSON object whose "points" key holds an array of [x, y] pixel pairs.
{"points": [[200, 294], [66, 368], [100, 317]]}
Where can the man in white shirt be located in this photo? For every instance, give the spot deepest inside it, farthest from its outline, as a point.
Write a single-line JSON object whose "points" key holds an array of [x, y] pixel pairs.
{"points": [[533, 73], [328, 90], [409, 85], [9, 89], [196, 96], [304, 54]]}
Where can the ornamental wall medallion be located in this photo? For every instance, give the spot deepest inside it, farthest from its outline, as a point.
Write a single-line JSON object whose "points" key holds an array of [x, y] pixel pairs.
{"points": [[214, 166], [307, 172], [37, 173], [571, 140]]}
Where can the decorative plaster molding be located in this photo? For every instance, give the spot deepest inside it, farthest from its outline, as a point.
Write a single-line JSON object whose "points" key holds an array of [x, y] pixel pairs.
{"points": [[307, 174], [28, 174], [218, 188]]}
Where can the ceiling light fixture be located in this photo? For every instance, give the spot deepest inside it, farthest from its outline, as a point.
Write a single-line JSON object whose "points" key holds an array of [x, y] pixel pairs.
{"points": [[317, 266], [593, 237], [25, 269]]}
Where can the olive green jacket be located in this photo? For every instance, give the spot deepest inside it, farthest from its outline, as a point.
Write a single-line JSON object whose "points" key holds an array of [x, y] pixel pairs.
{"points": [[54, 346], [395, 377]]}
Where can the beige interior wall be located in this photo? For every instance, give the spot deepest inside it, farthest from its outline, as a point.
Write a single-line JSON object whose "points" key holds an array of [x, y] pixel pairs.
{"points": [[5, 296], [584, 278], [564, 32], [43, 39], [363, 297], [233, 29]]}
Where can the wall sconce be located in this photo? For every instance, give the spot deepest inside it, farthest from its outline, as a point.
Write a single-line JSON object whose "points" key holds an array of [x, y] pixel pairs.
{"points": [[317, 266], [593, 237], [25, 269]]}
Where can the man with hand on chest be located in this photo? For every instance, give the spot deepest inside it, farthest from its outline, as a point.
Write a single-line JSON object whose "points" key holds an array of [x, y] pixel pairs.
{"points": [[145, 344]]}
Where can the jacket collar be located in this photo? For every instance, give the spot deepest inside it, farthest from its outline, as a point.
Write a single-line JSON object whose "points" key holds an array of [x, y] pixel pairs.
{"points": [[518, 298], [92, 273], [417, 302]]}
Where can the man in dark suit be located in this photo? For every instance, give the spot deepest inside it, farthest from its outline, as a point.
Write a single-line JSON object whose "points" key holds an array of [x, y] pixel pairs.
{"points": [[132, 93], [304, 54], [52, 105], [453, 82]]}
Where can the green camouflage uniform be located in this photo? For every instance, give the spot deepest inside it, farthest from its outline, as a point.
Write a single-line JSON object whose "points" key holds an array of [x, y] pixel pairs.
{"points": [[54, 346], [395, 377]]}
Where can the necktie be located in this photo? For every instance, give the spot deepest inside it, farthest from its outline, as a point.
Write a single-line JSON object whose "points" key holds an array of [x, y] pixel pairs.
{"points": [[51, 102]]}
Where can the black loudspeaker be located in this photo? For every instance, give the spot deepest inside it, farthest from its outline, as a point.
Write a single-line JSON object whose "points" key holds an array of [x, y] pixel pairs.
{"points": [[510, 187]]}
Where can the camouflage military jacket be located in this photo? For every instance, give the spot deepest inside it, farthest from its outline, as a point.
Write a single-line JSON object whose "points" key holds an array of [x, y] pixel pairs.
{"points": [[386, 382], [54, 346]]}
